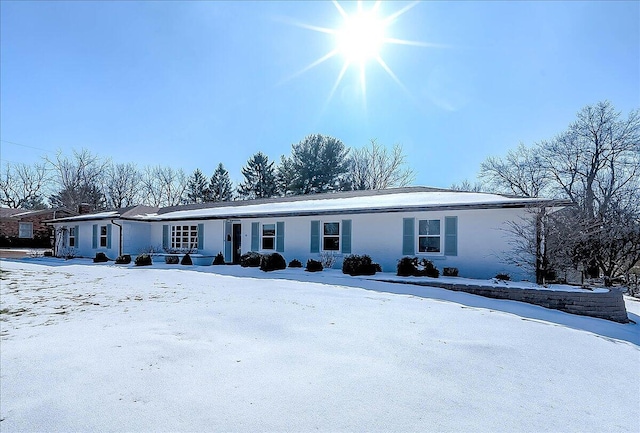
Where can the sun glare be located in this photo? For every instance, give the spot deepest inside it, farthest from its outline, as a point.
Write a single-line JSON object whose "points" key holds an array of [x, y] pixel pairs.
{"points": [[359, 41], [361, 37]]}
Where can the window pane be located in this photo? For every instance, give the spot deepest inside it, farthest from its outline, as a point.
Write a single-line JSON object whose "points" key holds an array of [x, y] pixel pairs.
{"points": [[269, 230], [72, 231], [268, 243], [331, 244], [430, 244], [72, 242], [331, 229], [103, 230], [103, 241], [429, 227]]}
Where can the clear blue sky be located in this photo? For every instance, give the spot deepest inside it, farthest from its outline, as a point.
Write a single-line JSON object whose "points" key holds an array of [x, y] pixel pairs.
{"points": [[192, 84]]}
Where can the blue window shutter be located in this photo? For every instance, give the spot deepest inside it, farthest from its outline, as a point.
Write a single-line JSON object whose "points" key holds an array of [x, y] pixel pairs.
{"points": [[94, 241], [451, 236], [165, 237], [315, 236], [108, 236], [346, 236], [280, 237], [408, 236], [255, 236], [77, 236], [201, 236]]}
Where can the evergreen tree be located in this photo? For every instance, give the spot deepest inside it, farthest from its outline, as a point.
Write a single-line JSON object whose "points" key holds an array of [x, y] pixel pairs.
{"points": [[220, 186], [285, 176], [260, 178], [197, 187], [321, 164]]}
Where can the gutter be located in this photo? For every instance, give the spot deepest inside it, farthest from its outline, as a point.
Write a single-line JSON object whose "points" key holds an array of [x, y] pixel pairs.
{"points": [[120, 243]]}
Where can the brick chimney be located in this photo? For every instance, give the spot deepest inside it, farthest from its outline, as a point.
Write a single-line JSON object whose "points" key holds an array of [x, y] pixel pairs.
{"points": [[84, 208]]}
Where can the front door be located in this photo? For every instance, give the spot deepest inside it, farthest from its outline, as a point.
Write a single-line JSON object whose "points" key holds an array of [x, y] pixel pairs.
{"points": [[237, 243]]}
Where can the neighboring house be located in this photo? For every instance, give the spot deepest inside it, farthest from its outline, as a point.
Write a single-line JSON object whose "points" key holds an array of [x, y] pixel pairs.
{"points": [[27, 228], [451, 228]]}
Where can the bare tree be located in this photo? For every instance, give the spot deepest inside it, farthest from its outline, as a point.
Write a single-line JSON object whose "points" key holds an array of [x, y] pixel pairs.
{"points": [[79, 179], [22, 185], [164, 186], [467, 186], [122, 184], [376, 167]]}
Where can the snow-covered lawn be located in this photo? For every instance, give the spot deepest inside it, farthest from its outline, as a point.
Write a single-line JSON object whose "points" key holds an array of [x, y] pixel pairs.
{"points": [[104, 348]]}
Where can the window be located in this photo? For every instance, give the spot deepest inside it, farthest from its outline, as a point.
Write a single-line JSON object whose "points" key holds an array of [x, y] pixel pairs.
{"points": [[184, 237], [331, 237], [103, 236], [26, 230], [429, 236], [268, 236], [72, 236]]}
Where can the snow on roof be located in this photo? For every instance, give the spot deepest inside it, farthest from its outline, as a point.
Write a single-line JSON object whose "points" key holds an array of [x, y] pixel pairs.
{"points": [[393, 202]]}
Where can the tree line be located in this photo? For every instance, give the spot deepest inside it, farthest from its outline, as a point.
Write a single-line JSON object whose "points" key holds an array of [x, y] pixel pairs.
{"points": [[595, 163], [318, 163]]}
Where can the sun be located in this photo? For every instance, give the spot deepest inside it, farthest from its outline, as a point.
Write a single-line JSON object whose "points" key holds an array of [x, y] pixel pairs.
{"points": [[361, 37], [359, 41]]}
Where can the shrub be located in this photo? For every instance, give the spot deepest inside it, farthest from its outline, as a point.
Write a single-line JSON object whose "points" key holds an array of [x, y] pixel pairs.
{"points": [[411, 266], [100, 258], [143, 260], [219, 259], [359, 265], [314, 266], [450, 272], [48, 253], [171, 260], [272, 262], [295, 263], [328, 259], [503, 277], [123, 260], [186, 260], [250, 260]]}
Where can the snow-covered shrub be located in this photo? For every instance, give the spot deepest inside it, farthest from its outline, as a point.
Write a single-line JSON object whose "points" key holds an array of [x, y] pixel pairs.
{"points": [[295, 263], [68, 253], [450, 272], [143, 260], [328, 259], [219, 259], [503, 277], [359, 265], [272, 262], [250, 259], [314, 266], [100, 258], [411, 266], [124, 259], [171, 260], [186, 260]]}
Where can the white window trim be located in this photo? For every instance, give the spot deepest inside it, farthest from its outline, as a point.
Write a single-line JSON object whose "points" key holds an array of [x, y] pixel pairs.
{"points": [[177, 242], [20, 230], [441, 236], [323, 236], [263, 237]]}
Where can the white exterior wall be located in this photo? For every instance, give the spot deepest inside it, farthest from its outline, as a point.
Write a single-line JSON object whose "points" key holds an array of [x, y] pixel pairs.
{"points": [[84, 239], [136, 237]]}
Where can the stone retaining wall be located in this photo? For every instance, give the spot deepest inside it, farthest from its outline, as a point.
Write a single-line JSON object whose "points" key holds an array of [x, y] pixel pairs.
{"points": [[606, 305]]}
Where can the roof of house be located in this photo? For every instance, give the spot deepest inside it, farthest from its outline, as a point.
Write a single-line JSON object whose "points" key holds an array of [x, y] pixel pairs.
{"points": [[20, 213], [351, 202]]}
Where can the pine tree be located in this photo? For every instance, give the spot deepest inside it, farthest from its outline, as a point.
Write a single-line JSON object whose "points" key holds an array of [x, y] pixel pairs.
{"points": [[197, 187], [321, 164], [260, 178], [220, 186], [285, 176]]}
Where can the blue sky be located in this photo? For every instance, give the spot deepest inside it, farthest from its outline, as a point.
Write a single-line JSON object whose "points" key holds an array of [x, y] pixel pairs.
{"points": [[192, 84]]}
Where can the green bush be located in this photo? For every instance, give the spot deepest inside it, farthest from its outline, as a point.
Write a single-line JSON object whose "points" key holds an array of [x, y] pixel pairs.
{"points": [[450, 272], [143, 260], [295, 263], [250, 260], [186, 260], [359, 265], [411, 266], [100, 258], [314, 266], [219, 259], [272, 262], [123, 260]]}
